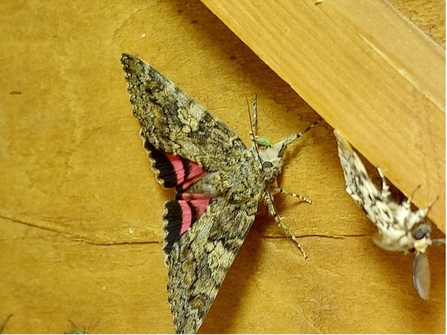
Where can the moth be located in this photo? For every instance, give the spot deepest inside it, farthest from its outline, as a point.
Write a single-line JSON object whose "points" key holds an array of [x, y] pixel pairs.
{"points": [[218, 181], [400, 228]]}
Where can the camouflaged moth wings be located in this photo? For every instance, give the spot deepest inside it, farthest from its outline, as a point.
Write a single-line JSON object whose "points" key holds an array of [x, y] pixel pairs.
{"points": [[400, 228], [218, 182]]}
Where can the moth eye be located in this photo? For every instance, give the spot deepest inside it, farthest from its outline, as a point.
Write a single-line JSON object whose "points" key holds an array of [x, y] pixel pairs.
{"points": [[267, 165], [418, 234]]}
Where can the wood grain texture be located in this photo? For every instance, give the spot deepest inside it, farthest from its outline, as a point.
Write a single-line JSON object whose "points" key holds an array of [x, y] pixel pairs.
{"points": [[429, 16], [80, 208], [376, 77]]}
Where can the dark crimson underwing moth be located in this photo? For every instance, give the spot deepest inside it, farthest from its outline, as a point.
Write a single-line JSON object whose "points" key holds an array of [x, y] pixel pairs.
{"points": [[400, 228], [218, 181]]}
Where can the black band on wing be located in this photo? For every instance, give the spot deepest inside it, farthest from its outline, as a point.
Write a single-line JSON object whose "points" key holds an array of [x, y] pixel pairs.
{"points": [[160, 162], [179, 217]]}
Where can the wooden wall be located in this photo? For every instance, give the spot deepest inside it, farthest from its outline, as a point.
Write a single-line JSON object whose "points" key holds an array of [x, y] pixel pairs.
{"points": [[80, 209]]}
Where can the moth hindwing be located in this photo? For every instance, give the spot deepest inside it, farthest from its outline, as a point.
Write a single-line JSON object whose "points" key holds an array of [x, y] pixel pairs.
{"points": [[218, 181], [400, 228]]}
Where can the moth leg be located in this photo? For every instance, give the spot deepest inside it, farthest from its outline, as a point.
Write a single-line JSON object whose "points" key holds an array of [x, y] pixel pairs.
{"points": [[276, 190], [385, 188], [292, 138], [271, 208]]}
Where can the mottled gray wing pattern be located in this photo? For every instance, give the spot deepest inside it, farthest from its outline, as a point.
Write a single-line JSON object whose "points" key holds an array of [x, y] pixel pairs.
{"points": [[173, 122], [201, 258], [361, 188]]}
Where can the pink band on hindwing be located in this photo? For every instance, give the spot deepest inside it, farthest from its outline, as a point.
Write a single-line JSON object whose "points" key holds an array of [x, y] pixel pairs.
{"points": [[174, 171], [192, 210], [186, 216], [181, 173], [180, 216], [177, 165]]}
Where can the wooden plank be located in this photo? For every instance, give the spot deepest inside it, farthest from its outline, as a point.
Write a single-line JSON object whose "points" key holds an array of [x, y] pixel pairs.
{"points": [[376, 77]]}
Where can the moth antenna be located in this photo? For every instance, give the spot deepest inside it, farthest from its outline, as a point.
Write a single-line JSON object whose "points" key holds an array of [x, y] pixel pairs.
{"points": [[255, 114], [254, 120], [301, 197], [289, 140], [430, 206], [410, 198], [253, 126], [272, 212], [427, 209]]}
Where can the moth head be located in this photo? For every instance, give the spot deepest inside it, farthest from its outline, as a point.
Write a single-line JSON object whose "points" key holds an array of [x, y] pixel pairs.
{"points": [[416, 226], [271, 163], [419, 235]]}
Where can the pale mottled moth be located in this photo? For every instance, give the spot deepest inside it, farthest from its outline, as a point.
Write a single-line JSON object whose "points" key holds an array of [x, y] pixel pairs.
{"points": [[400, 228]]}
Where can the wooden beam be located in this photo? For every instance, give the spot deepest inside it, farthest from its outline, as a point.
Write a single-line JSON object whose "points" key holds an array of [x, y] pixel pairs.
{"points": [[367, 71]]}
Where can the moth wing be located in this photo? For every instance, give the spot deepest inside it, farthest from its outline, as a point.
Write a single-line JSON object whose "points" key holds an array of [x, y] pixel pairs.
{"points": [[173, 122], [360, 186], [173, 171], [199, 260], [421, 275], [356, 176]]}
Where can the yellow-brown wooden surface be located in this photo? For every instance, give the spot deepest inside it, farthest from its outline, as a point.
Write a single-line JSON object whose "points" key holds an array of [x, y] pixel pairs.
{"points": [[80, 209]]}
